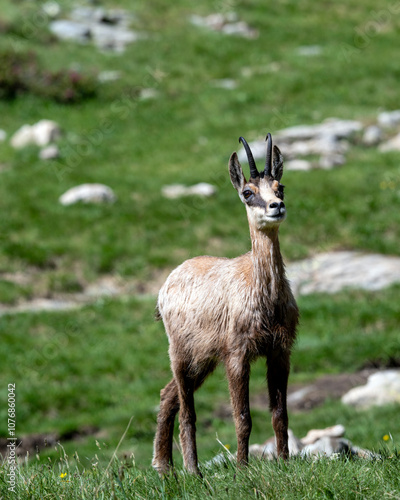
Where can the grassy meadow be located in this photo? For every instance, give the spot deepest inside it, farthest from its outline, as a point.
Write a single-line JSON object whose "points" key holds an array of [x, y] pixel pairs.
{"points": [[83, 375]]}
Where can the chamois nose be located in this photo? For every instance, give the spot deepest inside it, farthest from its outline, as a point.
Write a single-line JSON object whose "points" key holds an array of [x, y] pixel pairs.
{"points": [[279, 205]]}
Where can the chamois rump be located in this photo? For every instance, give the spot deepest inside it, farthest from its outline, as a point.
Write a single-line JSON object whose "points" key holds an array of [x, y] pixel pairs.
{"points": [[231, 311]]}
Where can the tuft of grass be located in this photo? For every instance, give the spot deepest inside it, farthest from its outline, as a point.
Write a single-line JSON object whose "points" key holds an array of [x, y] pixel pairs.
{"points": [[297, 478]]}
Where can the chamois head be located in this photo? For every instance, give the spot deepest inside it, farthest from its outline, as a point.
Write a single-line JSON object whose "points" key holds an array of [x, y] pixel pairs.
{"points": [[263, 193]]}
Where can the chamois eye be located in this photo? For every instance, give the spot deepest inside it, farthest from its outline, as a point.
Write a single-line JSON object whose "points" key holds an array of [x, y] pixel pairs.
{"points": [[247, 194]]}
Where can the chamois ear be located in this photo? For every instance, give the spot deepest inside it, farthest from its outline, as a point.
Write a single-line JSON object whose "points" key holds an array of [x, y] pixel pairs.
{"points": [[235, 171], [277, 164]]}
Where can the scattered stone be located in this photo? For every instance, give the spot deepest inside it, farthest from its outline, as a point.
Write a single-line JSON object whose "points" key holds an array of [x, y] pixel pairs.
{"points": [[327, 446], [109, 29], [51, 9], [372, 135], [309, 50], [149, 93], [389, 119], [331, 160], [268, 449], [64, 29], [333, 271], [303, 165], [49, 152], [224, 83], [109, 76], [392, 144], [38, 305], [178, 190], [313, 435], [333, 127], [382, 388], [88, 193], [228, 24], [40, 134], [327, 442], [107, 37], [328, 139]]}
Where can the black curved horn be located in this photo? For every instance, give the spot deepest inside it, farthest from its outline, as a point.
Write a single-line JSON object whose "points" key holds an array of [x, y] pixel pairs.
{"points": [[252, 164], [268, 160]]}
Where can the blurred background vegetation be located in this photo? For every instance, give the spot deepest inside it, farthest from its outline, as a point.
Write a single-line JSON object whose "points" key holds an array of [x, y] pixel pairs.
{"points": [[84, 373]]}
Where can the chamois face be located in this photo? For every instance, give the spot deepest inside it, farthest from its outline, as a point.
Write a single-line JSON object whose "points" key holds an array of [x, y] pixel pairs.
{"points": [[263, 193], [263, 198]]}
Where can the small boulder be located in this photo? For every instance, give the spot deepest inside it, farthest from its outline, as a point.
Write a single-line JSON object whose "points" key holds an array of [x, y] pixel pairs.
{"points": [[382, 388], [49, 152], [372, 135], [392, 144], [64, 29], [298, 165], [173, 191], [40, 134], [389, 119], [313, 435], [88, 193], [331, 160]]}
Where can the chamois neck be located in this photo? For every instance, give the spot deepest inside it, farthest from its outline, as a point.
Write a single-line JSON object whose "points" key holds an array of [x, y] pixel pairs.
{"points": [[268, 267]]}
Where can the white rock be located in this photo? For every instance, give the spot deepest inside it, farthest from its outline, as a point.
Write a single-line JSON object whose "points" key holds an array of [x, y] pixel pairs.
{"points": [[22, 137], [51, 9], [239, 29], [315, 434], [88, 193], [298, 165], [148, 93], [64, 29], [382, 388], [178, 190], [109, 76], [309, 50], [326, 446], [49, 152], [109, 37], [333, 271], [40, 134], [389, 118], [334, 127], [392, 144], [329, 161], [372, 135], [226, 23], [268, 449], [224, 83]]}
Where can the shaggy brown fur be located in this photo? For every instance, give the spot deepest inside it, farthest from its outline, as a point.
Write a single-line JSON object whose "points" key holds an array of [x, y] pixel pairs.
{"points": [[230, 311]]}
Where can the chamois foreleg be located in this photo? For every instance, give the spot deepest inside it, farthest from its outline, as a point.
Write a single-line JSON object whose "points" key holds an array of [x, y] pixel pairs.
{"points": [[238, 373], [277, 375], [169, 406], [187, 420]]}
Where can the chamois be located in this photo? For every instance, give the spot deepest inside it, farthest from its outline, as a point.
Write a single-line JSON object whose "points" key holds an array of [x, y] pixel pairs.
{"points": [[231, 311]]}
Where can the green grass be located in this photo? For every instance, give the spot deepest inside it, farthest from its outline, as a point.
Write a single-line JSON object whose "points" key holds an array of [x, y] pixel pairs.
{"points": [[298, 478], [99, 366]]}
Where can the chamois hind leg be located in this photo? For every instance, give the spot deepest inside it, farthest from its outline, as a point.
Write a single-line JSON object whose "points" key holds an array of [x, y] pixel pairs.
{"points": [[169, 406], [277, 375], [238, 374]]}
